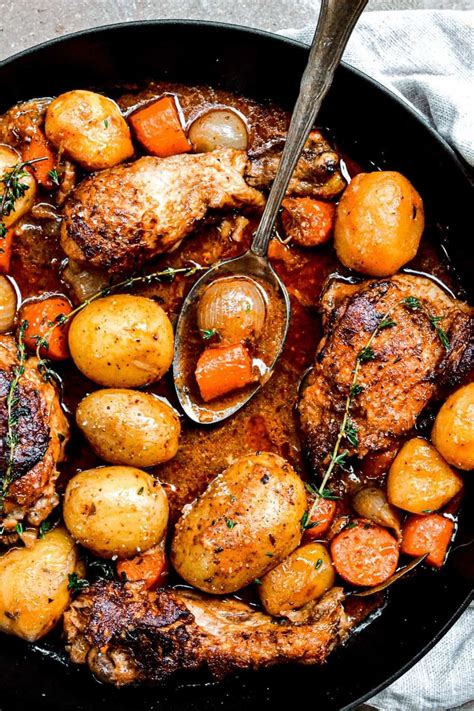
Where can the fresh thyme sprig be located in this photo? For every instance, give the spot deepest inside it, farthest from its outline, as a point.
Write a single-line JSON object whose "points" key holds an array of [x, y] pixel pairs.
{"points": [[43, 341], [348, 429], [13, 402], [414, 304], [13, 190]]}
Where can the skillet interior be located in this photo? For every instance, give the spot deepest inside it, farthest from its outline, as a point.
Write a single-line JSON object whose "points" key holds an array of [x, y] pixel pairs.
{"points": [[376, 127]]}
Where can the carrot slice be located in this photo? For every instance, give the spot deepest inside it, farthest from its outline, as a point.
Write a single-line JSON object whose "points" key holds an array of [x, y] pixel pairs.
{"points": [[41, 315], [151, 567], [364, 554], [6, 249], [308, 222], [321, 518], [427, 534], [223, 369], [38, 147], [159, 130]]}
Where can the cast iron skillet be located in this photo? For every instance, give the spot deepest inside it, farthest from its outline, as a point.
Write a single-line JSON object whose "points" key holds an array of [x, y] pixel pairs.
{"points": [[376, 127]]}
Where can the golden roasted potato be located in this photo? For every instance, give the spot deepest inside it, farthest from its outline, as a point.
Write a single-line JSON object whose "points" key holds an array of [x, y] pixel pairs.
{"points": [[246, 522], [9, 157], [89, 128], [129, 427], [419, 480], [304, 576], [34, 584], [122, 341], [379, 223], [453, 430], [115, 511]]}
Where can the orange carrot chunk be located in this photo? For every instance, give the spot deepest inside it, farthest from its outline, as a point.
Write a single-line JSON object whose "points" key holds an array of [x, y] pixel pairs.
{"points": [[151, 567], [364, 554], [223, 369], [321, 518], [427, 534], [41, 316], [308, 222], [6, 249], [38, 147], [159, 130]]}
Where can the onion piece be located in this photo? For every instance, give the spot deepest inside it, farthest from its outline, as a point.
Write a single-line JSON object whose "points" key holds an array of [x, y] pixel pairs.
{"points": [[233, 309], [218, 128], [371, 502], [8, 304]]}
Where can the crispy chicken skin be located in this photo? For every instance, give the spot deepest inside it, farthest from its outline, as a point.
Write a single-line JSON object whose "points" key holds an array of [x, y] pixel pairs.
{"points": [[42, 429], [129, 635], [404, 375], [317, 172], [118, 218]]}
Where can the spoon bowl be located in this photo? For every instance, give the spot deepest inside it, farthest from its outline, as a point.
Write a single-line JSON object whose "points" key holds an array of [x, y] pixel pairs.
{"points": [[259, 269]]}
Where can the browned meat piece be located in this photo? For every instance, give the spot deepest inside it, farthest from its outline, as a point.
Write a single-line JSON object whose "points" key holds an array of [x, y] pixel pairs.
{"points": [[118, 218], [401, 379], [42, 431], [127, 635], [317, 173]]}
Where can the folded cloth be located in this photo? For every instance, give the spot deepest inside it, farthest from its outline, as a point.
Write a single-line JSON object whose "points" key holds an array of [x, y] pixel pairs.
{"points": [[425, 56]]}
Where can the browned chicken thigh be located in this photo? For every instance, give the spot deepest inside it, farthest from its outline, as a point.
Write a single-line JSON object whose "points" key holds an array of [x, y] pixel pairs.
{"points": [[42, 430], [118, 218], [128, 635], [409, 360]]}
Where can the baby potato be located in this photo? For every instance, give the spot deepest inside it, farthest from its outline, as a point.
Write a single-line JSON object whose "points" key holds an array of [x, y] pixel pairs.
{"points": [[129, 427], [9, 157], [302, 577], [379, 223], [453, 430], [89, 128], [419, 480], [34, 584], [246, 522], [122, 341], [115, 511]]}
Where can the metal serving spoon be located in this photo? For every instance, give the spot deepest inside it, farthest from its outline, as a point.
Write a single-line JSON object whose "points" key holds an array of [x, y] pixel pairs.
{"points": [[336, 21]]}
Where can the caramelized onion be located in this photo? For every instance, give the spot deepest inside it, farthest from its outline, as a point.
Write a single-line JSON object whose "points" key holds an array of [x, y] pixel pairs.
{"points": [[219, 128], [7, 304], [371, 502], [233, 309]]}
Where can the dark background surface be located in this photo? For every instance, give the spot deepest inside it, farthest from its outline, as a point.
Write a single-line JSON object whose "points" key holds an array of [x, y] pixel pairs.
{"points": [[24, 23]]}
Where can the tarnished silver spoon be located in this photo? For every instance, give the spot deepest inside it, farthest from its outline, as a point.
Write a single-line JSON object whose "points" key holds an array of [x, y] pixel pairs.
{"points": [[336, 21]]}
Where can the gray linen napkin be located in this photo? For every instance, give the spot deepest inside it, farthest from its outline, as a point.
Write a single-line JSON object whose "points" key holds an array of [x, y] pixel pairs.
{"points": [[427, 58]]}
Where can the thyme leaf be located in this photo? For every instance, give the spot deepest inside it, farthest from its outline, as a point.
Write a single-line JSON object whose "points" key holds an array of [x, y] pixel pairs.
{"points": [[76, 584]]}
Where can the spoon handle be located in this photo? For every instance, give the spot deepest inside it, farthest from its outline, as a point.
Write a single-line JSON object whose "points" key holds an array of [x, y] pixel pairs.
{"points": [[335, 24]]}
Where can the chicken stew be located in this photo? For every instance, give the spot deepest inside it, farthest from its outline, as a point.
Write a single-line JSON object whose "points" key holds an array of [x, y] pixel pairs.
{"points": [[240, 545]]}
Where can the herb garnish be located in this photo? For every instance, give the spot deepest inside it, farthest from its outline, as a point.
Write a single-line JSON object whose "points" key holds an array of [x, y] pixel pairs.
{"points": [[13, 413], [230, 524], [208, 333], [318, 564], [19, 528], [13, 190], [147, 279], [53, 176], [76, 584], [44, 528], [414, 304]]}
